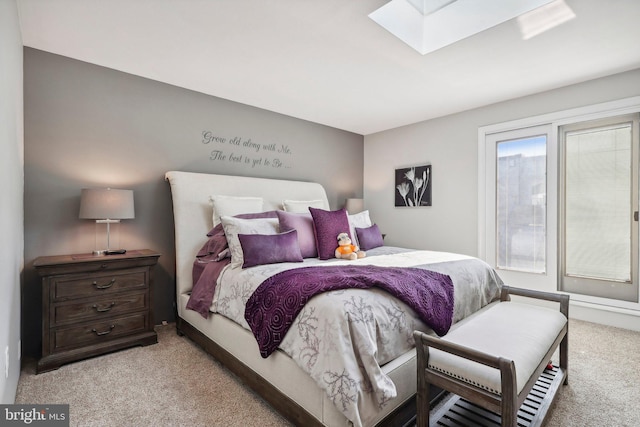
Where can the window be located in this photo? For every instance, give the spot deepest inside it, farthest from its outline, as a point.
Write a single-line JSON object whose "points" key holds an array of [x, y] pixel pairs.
{"points": [[518, 202], [521, 204], [559, 199], [599, 197]]}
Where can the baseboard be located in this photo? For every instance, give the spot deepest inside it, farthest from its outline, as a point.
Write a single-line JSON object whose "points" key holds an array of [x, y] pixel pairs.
{"points": [[605, 315], [598, 310]]}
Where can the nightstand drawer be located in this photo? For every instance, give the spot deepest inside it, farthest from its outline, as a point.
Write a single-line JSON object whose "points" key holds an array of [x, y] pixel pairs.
{"points": [[78, 286], [97, 332], [98, 308]]}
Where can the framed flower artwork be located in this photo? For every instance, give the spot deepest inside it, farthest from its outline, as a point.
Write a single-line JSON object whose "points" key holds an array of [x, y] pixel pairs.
{"points": [[413, 186]]}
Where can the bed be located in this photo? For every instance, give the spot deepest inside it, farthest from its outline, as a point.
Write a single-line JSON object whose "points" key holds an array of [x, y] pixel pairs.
{"points": [[382, 377]]}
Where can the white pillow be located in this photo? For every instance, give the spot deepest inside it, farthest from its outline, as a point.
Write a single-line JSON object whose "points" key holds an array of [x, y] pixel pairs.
{"points": [[302, 206], [234, 205], [360, 220], [234, 226]]}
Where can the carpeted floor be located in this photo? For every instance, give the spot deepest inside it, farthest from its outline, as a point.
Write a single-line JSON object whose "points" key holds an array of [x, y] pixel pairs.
{"points": [[174, 383]]}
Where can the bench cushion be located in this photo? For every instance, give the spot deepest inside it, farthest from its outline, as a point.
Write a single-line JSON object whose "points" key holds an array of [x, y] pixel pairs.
{"points": [[523, 333]]}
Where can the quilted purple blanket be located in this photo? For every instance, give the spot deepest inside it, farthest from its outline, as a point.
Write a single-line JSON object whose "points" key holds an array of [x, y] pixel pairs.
{"points": [[274, 305]]}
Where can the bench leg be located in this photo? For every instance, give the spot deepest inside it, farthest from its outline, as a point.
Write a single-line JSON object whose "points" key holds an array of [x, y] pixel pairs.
{"points": [[509, 399], [422, 395], [422, 402], [564, 344], [564, 357]]}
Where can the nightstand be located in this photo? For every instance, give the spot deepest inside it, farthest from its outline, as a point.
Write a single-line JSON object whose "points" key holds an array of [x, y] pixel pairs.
{"points": [[95, 304]]}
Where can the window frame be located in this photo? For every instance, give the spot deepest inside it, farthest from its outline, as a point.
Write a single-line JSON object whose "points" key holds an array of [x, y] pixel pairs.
{"points": [[486, 208], [590, 286], [494, 140]]}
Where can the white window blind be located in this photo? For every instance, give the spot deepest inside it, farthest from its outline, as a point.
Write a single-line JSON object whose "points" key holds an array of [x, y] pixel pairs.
{"points": [[598, 204]]}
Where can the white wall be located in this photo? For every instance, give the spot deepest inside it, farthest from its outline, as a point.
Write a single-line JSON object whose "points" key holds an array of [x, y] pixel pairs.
{"points": [[11, 188], [450, 144], [447, 225]]}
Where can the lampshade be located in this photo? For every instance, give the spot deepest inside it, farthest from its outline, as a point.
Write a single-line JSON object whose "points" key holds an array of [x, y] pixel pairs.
{"points": [[106, 203], [354, 206]]}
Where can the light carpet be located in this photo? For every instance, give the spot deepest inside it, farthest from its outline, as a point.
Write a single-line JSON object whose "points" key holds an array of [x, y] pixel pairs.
{"points": [[175, 383]]}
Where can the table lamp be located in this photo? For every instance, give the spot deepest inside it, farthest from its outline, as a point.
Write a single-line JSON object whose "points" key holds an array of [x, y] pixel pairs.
{"points": [[106, 206]]}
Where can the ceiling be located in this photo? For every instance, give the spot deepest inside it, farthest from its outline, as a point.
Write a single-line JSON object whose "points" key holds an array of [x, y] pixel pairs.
{"points": [[326, 61]]}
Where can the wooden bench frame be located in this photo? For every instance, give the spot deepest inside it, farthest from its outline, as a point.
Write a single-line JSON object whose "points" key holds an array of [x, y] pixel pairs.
{"points": [[508, 403]]}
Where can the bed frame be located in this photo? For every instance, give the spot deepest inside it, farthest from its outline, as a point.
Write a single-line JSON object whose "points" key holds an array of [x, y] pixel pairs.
{"points": [[277, 379]]}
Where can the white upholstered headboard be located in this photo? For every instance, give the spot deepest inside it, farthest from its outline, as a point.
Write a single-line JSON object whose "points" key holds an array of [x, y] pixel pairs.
{"points": [[192, 209]]}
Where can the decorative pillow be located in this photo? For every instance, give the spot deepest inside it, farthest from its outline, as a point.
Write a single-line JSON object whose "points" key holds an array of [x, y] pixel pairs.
{"points": [[302, 206], [359, 220], [266, 214], [303, 224], [259, 249], [234, 205], [234, 226], [370, 237], [326, 226]]}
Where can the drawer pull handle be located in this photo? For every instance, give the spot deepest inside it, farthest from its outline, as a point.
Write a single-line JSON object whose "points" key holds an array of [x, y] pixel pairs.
{"points": [[108, 285], [103, 309], [103, 332]]}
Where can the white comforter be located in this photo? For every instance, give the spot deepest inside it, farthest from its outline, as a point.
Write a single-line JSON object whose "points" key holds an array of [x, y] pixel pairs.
{"points": [[342, 338]]}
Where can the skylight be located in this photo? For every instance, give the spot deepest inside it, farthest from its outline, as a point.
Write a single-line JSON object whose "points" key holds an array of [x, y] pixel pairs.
{"points": [[428, 25]]}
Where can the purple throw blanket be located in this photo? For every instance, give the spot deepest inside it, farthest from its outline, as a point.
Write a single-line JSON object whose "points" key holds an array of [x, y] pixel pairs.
{"points": [[274, 305]]}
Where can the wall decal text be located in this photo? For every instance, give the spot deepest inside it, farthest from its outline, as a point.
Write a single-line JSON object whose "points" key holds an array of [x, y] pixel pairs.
{"points": [[246, 152]]}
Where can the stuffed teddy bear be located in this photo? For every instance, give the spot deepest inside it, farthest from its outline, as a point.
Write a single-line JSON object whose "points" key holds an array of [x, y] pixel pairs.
{"points": [[346, 250]]}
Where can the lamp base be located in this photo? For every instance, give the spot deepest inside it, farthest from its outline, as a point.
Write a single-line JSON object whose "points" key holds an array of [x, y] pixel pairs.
{"points": [[107, 237]]}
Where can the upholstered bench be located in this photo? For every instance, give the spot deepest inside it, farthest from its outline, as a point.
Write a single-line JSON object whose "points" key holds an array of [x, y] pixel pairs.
{"points": [[495, 359]]}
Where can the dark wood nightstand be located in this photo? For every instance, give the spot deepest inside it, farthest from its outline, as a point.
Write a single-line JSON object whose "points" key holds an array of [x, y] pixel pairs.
{"points": [[95, 304]]}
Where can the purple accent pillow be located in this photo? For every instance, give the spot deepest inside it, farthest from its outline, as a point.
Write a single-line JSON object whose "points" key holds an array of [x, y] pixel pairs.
{"points": [[303, 224], [326, 227], [259, 249], [369, 237]]}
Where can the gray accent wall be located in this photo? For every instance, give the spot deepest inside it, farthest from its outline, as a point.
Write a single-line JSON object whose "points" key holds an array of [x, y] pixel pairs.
{"points": [[11, 189], [90, 126]]}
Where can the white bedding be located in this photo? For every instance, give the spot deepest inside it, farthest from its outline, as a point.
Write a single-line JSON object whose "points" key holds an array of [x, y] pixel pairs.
{"points": [[368, 328]]}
